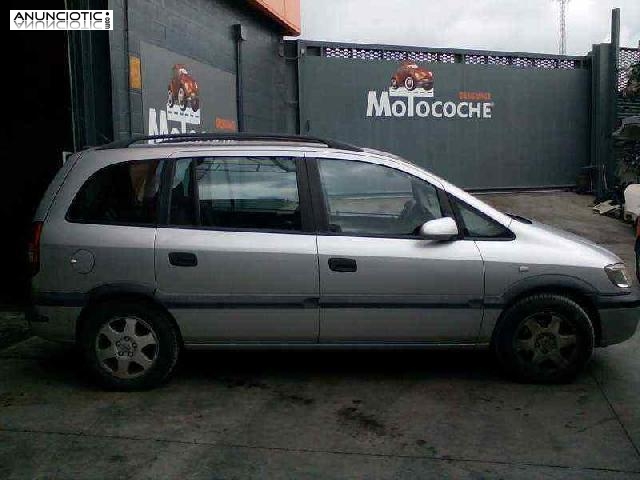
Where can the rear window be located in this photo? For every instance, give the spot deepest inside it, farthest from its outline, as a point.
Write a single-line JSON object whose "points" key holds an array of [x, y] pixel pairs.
{"points": [[124, 193]]}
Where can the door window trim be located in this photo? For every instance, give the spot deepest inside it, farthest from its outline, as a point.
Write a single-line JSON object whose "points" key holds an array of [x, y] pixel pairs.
{"points": [[302, 181], [319, 201]]}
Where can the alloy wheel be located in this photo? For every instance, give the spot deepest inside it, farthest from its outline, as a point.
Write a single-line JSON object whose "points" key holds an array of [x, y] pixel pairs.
{"points": [[126, 347], [546, 342]]}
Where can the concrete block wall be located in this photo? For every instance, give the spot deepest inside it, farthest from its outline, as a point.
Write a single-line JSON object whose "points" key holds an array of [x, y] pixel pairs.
{"points": [[203, 30]]}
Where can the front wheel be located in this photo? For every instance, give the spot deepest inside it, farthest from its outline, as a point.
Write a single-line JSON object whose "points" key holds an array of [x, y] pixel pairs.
{"points": [[129, 345], [544, 338]]}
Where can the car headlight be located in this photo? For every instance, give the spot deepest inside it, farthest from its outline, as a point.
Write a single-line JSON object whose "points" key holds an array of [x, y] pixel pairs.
{"points": [[617, 273]]}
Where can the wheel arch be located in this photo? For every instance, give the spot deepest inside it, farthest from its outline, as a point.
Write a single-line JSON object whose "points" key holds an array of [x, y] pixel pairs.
{"points": [[123, 292], [573, 288]]}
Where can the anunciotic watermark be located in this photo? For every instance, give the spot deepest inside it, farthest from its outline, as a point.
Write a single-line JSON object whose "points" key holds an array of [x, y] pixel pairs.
{"points": [[61, 20]]}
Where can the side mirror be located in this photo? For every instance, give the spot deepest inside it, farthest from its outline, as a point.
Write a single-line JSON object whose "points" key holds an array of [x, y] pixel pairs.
{"points": [[441, 229]]}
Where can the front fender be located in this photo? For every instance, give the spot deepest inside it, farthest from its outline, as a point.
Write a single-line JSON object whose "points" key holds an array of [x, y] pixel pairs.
{"points": [[494, 306], [531, 284]]}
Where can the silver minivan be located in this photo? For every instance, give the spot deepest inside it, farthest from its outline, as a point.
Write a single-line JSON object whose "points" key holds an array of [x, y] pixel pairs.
{"points": [[145, 247]]}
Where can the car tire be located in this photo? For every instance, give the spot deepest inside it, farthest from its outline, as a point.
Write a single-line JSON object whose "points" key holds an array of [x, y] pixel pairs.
{"points": [[544, 338], [129, 345], [182, 100], [409, 83]]}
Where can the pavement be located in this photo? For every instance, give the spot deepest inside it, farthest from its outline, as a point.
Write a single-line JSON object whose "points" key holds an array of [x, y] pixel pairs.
{"points": [[329, 414]]}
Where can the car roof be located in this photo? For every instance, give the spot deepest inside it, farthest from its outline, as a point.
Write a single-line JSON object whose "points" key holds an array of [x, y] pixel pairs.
{"points": [[176, 145], [164, 146], [212, 139]]}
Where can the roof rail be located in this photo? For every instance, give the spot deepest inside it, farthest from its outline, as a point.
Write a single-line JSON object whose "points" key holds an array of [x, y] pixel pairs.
{"points": [[221, 137]]}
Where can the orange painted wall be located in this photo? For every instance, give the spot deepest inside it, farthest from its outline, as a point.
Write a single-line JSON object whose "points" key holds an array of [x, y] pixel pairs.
{"points": [[285, 12]]}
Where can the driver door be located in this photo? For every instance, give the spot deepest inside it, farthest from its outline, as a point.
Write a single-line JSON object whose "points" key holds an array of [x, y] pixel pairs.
{"points": [[380, 281]]}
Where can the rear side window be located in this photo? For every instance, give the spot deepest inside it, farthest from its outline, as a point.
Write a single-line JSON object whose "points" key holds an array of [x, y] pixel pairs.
{"points": [[183, 205], [124, 193], [236, 192]]}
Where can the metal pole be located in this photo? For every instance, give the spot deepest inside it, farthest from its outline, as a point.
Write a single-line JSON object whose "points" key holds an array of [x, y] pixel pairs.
{"points": [[615, 45], [125, 8], [563, 27], [614, 48], [239, 38]]}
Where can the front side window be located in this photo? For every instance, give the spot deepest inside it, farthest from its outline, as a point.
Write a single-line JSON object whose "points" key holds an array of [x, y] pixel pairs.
{"points": [[236, 192], [368, 199], [477, 225], [124, 193]]}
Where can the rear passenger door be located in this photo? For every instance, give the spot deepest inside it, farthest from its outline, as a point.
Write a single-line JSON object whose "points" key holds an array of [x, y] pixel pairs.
{"points": [[237, 258]]}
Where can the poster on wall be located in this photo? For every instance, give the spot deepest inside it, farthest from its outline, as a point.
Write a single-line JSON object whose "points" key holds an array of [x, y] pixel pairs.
{"points": [[182, 95], [410, 87]]}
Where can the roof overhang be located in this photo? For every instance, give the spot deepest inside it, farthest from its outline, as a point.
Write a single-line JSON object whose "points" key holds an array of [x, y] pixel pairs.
{"points": [[284, 12]]}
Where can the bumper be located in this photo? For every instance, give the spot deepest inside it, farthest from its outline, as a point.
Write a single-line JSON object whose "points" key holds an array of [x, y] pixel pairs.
{"points": [[426, 84], [619, 317], [53, 323]]}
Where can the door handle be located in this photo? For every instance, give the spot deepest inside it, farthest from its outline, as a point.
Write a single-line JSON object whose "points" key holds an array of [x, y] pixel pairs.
{"points": [[183, 259], [339, 264]]}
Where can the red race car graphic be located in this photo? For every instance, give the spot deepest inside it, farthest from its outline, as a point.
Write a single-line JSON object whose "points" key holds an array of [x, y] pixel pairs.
{"points": [[183, 89], [411, 76]]}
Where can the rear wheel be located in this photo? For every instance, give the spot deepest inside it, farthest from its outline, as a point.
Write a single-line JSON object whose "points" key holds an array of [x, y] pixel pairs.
{"points": [[544, 338], [129, 345], [409, 83]]}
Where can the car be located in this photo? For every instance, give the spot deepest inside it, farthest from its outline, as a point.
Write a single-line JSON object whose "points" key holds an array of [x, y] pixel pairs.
{"points": [[183, 89], [411, 76], [143, 248], [632, 213]]}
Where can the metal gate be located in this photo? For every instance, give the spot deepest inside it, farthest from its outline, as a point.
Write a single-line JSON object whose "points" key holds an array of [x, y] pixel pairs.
{"points": [[484, 120]]}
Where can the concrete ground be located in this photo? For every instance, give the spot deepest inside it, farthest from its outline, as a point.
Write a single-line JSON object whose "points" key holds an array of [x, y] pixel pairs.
{"points": [[330, 415]]}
